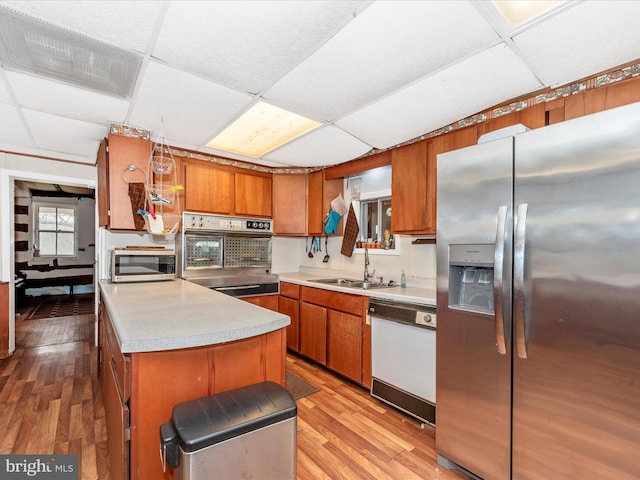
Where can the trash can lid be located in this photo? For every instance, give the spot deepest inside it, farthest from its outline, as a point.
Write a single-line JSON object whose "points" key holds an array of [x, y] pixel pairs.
{"points": [[219, 417]]}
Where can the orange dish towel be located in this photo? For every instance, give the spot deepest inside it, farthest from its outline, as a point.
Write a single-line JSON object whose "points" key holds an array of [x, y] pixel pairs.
{"points": [[351, 230]]}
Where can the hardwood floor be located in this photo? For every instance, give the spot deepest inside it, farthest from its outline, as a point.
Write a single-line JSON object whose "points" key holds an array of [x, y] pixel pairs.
{"points": [[50, 402], [50, 398]]}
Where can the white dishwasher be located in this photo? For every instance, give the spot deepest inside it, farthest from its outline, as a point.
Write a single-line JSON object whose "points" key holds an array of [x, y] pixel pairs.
{"points": [[403, 356]]}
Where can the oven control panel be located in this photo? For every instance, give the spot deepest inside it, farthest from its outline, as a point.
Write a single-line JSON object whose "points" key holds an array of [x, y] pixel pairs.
{"points": [[217, 223]]}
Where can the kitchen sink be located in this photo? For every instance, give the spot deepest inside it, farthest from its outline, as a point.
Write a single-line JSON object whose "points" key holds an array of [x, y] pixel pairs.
{"points": [[347, 282]]}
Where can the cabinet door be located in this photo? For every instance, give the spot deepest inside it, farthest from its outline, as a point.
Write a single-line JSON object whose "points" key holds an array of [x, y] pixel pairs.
{"points": [[124, 151], [253, 195], [409, 187], [208, 189], [345, 344], [290, 307], [103, 185], [313, 332], [315, 205], [265, 301], [289, 204]]}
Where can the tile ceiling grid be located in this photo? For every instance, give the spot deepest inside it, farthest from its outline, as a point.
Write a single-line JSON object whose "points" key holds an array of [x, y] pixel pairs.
{"points": [[283, 46]]}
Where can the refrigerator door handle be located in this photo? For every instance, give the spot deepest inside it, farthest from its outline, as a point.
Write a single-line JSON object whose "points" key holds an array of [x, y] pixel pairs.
{"points": [[518, 281], [498, 267]]}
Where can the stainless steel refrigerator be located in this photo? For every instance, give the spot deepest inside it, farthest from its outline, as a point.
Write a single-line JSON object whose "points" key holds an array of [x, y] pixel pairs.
{"points": [[538, 302]]}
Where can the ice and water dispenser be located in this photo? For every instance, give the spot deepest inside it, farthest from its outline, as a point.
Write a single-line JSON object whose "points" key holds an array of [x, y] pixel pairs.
{"points": [[471, 277]]}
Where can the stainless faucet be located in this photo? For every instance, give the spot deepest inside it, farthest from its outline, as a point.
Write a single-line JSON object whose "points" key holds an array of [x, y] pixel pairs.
{"points": [[367, 277]]}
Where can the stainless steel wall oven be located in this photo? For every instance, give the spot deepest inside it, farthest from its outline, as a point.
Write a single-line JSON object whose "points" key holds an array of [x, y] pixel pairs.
{"points": [[228, 254]]}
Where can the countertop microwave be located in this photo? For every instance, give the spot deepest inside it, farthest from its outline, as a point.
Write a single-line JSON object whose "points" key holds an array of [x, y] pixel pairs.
{"points": [[138, 264]]}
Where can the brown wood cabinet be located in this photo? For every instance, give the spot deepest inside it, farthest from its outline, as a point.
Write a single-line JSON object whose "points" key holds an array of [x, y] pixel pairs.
{"points": [[332, 328], [137, 400], [414, 180], [289, 204], [115, 154], [265, 301], [218, 189], [411, 177], [301, 202], [289, 304]]}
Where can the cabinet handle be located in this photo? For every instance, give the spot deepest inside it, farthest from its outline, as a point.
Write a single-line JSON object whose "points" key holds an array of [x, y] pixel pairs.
{"points": [[498, 267]]}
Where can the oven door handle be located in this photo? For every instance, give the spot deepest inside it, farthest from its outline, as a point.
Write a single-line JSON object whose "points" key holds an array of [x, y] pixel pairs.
{"points": [[241, 287]]}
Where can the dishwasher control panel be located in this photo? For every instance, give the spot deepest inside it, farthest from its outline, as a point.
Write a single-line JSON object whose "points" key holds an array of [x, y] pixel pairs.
{"points": [[407, 313], [428, 319]]}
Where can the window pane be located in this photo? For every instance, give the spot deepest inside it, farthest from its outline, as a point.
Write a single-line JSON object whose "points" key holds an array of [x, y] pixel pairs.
{"points": [[47, 243], [386, 216], [66, 221], [46, 218], [66, 244], [369, 217]]}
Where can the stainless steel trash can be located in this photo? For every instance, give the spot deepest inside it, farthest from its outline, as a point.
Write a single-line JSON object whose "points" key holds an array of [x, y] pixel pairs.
{"points": [[249, 432]]}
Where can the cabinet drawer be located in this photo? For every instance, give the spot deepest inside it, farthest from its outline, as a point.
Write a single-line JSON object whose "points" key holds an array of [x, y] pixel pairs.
{"points": [[344, 302], [290, 290], [121, 362]]}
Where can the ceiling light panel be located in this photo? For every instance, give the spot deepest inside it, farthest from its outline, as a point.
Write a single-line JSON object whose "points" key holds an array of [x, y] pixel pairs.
{"points": [[328, 145], [190, 114], [31, 45], [261, 129], [127, 24], [587, 38], [38, 93], [248, 45], [460, 91], [390, 45], [517, 13]]}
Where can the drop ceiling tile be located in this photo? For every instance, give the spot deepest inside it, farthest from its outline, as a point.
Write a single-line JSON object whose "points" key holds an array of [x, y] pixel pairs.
{"points": [[126, 24], [187, 108], [588, 38], [388, 46], [464, 89], [13, 134], [38, 93], [323, 146], [5, 97], [248, 45], [65, 137]]}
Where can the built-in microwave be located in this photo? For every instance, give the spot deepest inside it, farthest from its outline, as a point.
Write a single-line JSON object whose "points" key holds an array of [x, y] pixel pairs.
{"points": [[135, 264]]}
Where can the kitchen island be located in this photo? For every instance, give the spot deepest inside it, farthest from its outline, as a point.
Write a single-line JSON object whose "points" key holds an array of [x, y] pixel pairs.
{"points": [[164, 343]]}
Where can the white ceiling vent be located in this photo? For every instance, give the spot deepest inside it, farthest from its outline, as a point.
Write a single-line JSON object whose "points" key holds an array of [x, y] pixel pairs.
{"points": [[34, 46]]}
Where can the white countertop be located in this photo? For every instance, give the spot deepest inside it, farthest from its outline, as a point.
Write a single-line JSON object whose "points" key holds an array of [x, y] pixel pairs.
{"points": [[422, 296], [170, 315]]}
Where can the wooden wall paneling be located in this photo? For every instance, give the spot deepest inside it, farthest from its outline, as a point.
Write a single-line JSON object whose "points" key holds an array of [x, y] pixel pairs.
{"points": [[359, 165], [555, 111]]}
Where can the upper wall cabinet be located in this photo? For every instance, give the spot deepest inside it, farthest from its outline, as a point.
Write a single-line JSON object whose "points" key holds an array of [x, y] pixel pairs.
{"points": [[115, 154], [212, 188], [301, 202], [414, 180]]}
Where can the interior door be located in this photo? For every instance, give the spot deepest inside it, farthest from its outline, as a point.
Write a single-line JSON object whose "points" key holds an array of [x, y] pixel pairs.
{"points": [[473, 365], [576, 394]]}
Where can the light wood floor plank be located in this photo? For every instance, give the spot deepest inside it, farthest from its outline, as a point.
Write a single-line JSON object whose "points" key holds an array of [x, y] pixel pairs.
{"points": [[50, 399]]}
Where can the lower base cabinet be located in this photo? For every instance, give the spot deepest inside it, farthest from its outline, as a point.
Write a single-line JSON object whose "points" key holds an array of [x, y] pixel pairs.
{"points": [[333, 332], [265, 301], [140, 389]]}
